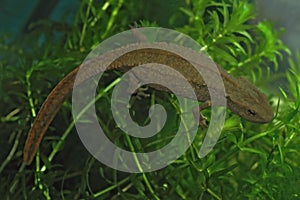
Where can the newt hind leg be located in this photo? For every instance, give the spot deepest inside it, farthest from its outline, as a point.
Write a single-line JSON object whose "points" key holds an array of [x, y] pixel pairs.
{"points": [[201, 119]]}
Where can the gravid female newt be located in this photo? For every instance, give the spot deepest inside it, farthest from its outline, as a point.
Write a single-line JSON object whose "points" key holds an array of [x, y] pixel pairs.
{"points": [[243, 98]]}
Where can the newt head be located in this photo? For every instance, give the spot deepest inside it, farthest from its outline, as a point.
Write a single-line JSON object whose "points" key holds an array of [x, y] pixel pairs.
{"points": [[247, 101]]}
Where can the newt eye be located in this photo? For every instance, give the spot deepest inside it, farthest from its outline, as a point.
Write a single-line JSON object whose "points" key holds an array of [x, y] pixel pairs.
{"points": [[251, 112]]}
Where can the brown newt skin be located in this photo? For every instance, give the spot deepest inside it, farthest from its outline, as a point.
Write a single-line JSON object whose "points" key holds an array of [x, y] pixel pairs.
{"points": [[243, 98]]}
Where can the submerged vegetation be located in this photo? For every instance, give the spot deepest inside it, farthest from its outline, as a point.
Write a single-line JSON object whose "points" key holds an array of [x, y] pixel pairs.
{"points": [[250, 161]]}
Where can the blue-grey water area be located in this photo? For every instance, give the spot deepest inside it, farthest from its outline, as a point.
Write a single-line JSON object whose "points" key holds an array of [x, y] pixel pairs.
{"points": [[286, 14]]}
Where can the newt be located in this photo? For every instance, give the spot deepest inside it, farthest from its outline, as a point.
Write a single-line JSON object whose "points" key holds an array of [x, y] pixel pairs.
{"points": [[243, 98]]}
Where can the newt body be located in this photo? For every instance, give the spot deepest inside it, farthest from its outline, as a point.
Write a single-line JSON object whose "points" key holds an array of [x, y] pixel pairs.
{"points": [[243, 98]]}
